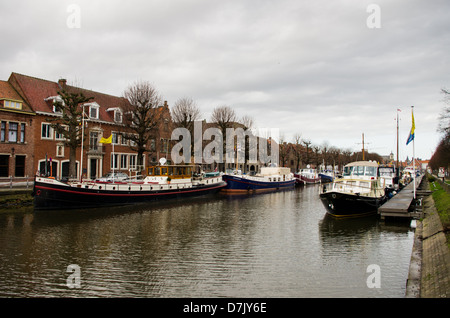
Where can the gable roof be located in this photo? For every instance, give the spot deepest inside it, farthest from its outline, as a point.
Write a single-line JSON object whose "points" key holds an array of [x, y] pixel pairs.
{"points": [[36, 91], [7, 91]]}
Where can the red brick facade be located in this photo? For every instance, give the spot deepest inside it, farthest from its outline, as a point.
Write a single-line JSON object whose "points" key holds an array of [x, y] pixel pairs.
{"points": [[16, 135], [42, 150]]}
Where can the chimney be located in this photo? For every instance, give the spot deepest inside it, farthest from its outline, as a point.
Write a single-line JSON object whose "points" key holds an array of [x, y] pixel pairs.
{"points": [[62, 83]]}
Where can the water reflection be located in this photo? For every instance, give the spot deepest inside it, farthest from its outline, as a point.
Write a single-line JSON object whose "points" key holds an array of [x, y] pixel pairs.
{"points": [[278, 244]]}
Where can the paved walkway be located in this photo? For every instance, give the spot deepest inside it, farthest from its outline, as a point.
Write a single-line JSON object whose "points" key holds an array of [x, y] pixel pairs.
{"points": [[435, 276]]}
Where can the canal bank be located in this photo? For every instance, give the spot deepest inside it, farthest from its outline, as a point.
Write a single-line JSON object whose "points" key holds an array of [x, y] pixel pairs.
{"points": [[429, 273]]}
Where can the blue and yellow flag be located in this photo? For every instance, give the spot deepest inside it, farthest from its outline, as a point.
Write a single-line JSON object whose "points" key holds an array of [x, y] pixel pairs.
{"points": [[411, 134], [106, 140]]}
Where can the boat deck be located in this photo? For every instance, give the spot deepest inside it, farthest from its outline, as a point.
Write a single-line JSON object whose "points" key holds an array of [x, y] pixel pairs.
{"points": [[399, 205]]}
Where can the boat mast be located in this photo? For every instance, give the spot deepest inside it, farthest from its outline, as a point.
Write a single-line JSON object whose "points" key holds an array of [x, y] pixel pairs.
{"points": [[363, 146], [398, 168]]}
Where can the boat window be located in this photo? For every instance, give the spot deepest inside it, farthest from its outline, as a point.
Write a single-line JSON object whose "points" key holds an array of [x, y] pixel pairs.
{"points": [[170, 171], [150, 171], [358, 171], [348, 171], [371, 171], [386, 172], [157, 171], [164, 171]]}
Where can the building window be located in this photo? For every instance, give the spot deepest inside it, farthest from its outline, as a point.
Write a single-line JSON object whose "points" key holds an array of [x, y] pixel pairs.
{"points": [[152, 144], [11, 104], [114, 161], [46, 131], [123, 161], [123, 140], [12, 132], [118, 116], [4, 165], [93, 112], [115, 138], [2, 131], [22, 133], [93, 140], [59, 150], [133, 162], [20, 166]]}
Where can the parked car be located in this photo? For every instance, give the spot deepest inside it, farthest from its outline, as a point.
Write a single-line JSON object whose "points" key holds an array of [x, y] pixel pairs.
{"points": [[113, 176]]}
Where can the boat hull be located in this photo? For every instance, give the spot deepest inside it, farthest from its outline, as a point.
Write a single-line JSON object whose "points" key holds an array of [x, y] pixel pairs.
{"points": [[59, 196], [325, 178], [306, 180], [236, 184], [350, 205]]}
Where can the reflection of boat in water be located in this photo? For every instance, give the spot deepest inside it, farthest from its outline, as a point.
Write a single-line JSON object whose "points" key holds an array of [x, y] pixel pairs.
{"points": [[335, 227], [357, 193], [269, 179], [161, 183]]}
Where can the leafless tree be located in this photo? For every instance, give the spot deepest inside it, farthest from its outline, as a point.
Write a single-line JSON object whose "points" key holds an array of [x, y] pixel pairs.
{"points": [[325, 148], [223, 117], [307, 144], [185, 112], [69, 103], [140, 116], [297, 151]]}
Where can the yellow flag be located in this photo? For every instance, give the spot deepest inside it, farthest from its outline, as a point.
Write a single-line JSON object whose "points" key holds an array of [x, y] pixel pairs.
{"points": [[106, 140]]}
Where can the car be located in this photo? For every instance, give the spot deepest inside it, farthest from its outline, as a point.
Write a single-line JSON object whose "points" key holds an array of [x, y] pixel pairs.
{"points": [[113, 176]]}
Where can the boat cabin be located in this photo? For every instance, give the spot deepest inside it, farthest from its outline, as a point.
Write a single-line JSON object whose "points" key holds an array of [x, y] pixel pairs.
{"points": [[360, 177], [361, 169], [174, 172]]}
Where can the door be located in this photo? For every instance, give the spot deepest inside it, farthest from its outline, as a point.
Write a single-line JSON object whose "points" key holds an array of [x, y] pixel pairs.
{"points": [[93, 168]]}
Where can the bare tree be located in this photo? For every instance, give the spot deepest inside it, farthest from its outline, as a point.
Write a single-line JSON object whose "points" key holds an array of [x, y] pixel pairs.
{"points": [[68, 125], [185, 112], [325, 153], [140, 116], [307, 144], [247, 122], [223, 117], [297, 150], [284, 150]]}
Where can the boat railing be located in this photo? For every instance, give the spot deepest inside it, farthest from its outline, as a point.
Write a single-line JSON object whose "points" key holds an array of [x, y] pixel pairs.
{"points": [[143, 186], [354, 186]]}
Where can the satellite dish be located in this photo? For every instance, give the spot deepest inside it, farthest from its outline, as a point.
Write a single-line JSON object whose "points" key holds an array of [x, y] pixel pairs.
{"points": [[162, 161]]}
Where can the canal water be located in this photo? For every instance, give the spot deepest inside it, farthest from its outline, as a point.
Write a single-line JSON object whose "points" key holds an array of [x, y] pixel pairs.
{"points": [[279, 244]]}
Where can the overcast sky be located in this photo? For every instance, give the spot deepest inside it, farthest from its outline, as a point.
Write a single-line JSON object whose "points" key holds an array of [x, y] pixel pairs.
{"points": [[327, 70]]}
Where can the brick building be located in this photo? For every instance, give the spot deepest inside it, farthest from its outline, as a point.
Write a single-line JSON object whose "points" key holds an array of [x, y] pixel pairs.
{"points": [[16, 134], [30, 144]]}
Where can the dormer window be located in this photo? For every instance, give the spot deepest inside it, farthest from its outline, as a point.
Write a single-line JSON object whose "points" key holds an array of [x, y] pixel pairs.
{"points": [[51, 102], [94, 110], [117, 114], [12, 104]]}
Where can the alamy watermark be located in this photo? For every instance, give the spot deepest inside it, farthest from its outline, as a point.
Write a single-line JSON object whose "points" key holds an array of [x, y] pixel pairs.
{"points": [[74, 19], [374, 19], [236, 141], [74, 279], [374, 279]]}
